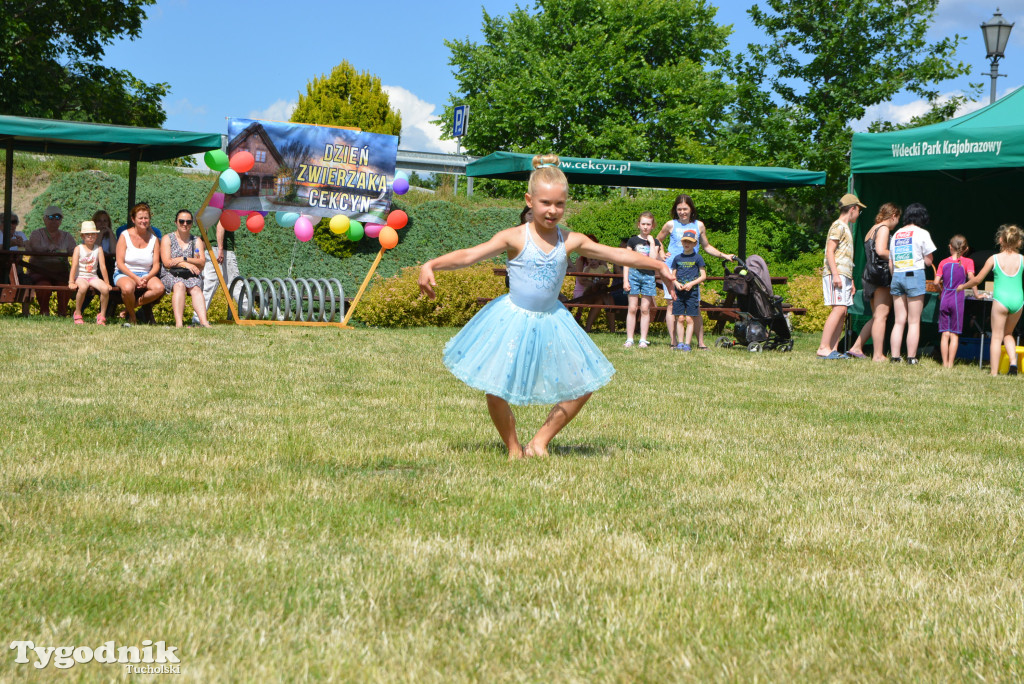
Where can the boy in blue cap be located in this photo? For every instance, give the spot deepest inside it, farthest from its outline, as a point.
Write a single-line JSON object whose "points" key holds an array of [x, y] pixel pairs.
{"points": [[690, 273]]}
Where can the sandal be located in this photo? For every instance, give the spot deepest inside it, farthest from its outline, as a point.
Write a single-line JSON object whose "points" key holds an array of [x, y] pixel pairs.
{"points": [[78, 319], [101, 319]]}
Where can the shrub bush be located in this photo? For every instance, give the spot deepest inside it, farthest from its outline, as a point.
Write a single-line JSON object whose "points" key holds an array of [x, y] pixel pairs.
{"points": [[396, 302], [805, 292]]}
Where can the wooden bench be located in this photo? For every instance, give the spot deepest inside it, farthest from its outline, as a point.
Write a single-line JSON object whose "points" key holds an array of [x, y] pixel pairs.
{"points": [[13, 291]]}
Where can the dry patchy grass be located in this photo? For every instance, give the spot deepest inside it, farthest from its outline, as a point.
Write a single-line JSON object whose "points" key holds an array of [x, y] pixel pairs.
{"points": [[302, 504]]}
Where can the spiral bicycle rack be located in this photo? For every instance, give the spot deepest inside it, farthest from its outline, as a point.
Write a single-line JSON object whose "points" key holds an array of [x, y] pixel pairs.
{"points": [[304, 300]]}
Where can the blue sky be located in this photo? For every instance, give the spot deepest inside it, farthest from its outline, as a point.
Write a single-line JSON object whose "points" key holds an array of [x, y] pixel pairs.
{"points": [[233, 59]]}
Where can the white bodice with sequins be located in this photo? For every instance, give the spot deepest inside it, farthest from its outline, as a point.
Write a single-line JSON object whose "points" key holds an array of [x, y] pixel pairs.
{"points": [[535, 278]]}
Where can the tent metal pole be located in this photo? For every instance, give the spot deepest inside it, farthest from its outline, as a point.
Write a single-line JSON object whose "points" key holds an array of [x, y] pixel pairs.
{"points": [[742, 248], [133, 174], [8, 193]]}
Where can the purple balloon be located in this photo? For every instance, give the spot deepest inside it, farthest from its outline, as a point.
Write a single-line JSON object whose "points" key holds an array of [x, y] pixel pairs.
{"points": [[217, 200], [400, 186], [372, 230], [303, 229]]}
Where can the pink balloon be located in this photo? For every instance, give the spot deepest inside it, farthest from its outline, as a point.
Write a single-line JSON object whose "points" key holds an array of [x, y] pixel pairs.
{"points": [[303, 229], [372, 229], [217, 200]]}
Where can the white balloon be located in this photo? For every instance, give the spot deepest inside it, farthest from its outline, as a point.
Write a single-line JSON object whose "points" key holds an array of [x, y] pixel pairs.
{"points": [[209, 217]]}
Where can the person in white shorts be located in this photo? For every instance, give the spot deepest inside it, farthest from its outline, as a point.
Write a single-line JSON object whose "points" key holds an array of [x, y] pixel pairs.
{"points": [[837, 276]]}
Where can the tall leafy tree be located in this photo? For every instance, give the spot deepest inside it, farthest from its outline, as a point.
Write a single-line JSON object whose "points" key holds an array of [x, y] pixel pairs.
{"points": [[595, 78], [823, 63], [50, 62], [348, 98]]}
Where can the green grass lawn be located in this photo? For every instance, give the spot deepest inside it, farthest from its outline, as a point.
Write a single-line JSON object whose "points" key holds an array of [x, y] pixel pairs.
{"points": [[284, 504]]}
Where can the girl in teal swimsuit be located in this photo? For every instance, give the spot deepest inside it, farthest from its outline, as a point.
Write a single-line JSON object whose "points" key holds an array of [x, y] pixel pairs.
{"points": [[1008, 298]]}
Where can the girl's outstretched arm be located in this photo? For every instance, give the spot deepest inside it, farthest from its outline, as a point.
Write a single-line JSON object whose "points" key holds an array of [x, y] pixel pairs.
{"points": [[461, 258], [578, 242], [976, 280]]}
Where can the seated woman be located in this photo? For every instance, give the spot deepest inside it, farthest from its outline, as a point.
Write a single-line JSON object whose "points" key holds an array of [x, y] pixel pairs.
{"points": [[138, 264], [183, 259], [51, 270]]}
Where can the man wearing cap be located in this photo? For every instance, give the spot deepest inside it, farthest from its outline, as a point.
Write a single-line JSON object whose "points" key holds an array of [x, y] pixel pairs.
{"points": [[837, 275], [47, 270]]}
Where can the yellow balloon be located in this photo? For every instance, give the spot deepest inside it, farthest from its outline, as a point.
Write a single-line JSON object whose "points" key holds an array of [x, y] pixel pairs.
{"points": [[339, 224]]}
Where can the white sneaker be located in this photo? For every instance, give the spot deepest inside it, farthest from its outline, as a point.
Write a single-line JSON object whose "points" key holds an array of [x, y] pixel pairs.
{"points": [[644, 344], [629, 343]]}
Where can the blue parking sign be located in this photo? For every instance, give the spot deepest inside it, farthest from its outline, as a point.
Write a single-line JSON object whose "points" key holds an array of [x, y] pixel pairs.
{"points": [[459, 124]]}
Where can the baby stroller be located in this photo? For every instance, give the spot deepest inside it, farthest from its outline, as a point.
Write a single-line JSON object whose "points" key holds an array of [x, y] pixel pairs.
{"points": [[762, 324]]}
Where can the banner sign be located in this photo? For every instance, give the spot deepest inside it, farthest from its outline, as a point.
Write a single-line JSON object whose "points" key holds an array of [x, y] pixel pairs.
{"points": [[315, 170]]}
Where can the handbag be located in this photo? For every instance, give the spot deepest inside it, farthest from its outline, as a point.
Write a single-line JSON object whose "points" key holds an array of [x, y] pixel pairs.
{"points": [[181, 271], [876, 268]]}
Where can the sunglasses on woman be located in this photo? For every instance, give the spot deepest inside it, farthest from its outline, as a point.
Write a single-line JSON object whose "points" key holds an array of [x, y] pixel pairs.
{"points": [[185, 222]]}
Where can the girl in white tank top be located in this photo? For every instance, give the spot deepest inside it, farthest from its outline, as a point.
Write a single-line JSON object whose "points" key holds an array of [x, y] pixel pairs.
{"points": [[89, 270]]}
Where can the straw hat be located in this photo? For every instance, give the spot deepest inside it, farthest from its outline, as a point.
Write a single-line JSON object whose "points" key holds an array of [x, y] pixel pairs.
{"points": [[88, 227]]}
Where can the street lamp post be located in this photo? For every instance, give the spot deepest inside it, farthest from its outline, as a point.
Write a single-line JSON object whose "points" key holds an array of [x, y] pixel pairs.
{"points": [[997, 32]]}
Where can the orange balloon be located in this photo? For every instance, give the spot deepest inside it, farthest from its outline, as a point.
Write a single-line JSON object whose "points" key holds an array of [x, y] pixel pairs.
{"points": [[254, 223], [388, 237], [230, 220], [242, 161], [398, 219]]}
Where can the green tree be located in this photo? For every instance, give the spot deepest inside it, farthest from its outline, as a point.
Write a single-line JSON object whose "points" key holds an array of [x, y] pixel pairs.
{"points": [[822, 65], [348, 98], [595, 78], [50, 53]]}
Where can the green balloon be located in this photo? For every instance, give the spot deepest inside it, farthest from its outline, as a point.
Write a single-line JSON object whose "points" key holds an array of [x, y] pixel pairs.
{"points": [[355, 231], [217, 160]]}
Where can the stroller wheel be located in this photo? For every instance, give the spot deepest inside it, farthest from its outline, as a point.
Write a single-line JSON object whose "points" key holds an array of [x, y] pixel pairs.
{"points": [[786, 346], [723, 341], [755, 347]]}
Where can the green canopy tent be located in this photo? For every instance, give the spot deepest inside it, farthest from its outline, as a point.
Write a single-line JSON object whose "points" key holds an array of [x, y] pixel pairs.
{"points": [[516, 166], [967, 171], [100, 141]]}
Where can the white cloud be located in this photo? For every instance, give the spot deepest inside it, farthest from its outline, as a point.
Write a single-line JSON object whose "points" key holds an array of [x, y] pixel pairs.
{"points": [[279, 111], [966, 16], [903, 113], [417, 131], [184, 107]]}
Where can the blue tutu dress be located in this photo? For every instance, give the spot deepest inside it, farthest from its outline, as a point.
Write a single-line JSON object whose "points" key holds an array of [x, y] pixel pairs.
{"points": [[525, 347]]}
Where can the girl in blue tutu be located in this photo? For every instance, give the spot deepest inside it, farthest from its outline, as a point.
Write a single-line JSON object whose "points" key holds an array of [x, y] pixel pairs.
{"points": [[525, 347]]}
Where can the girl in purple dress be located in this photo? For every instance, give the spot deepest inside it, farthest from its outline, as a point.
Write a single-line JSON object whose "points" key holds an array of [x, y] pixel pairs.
{"points": [[952, 272]]}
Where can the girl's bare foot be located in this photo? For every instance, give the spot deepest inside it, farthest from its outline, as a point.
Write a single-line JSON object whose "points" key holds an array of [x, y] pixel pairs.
{"points": [[532, 451], [516, 454]]}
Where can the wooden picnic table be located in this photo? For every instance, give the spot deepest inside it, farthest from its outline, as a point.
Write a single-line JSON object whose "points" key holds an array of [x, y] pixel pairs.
{"points": [[504, 272], [721, 314]]}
